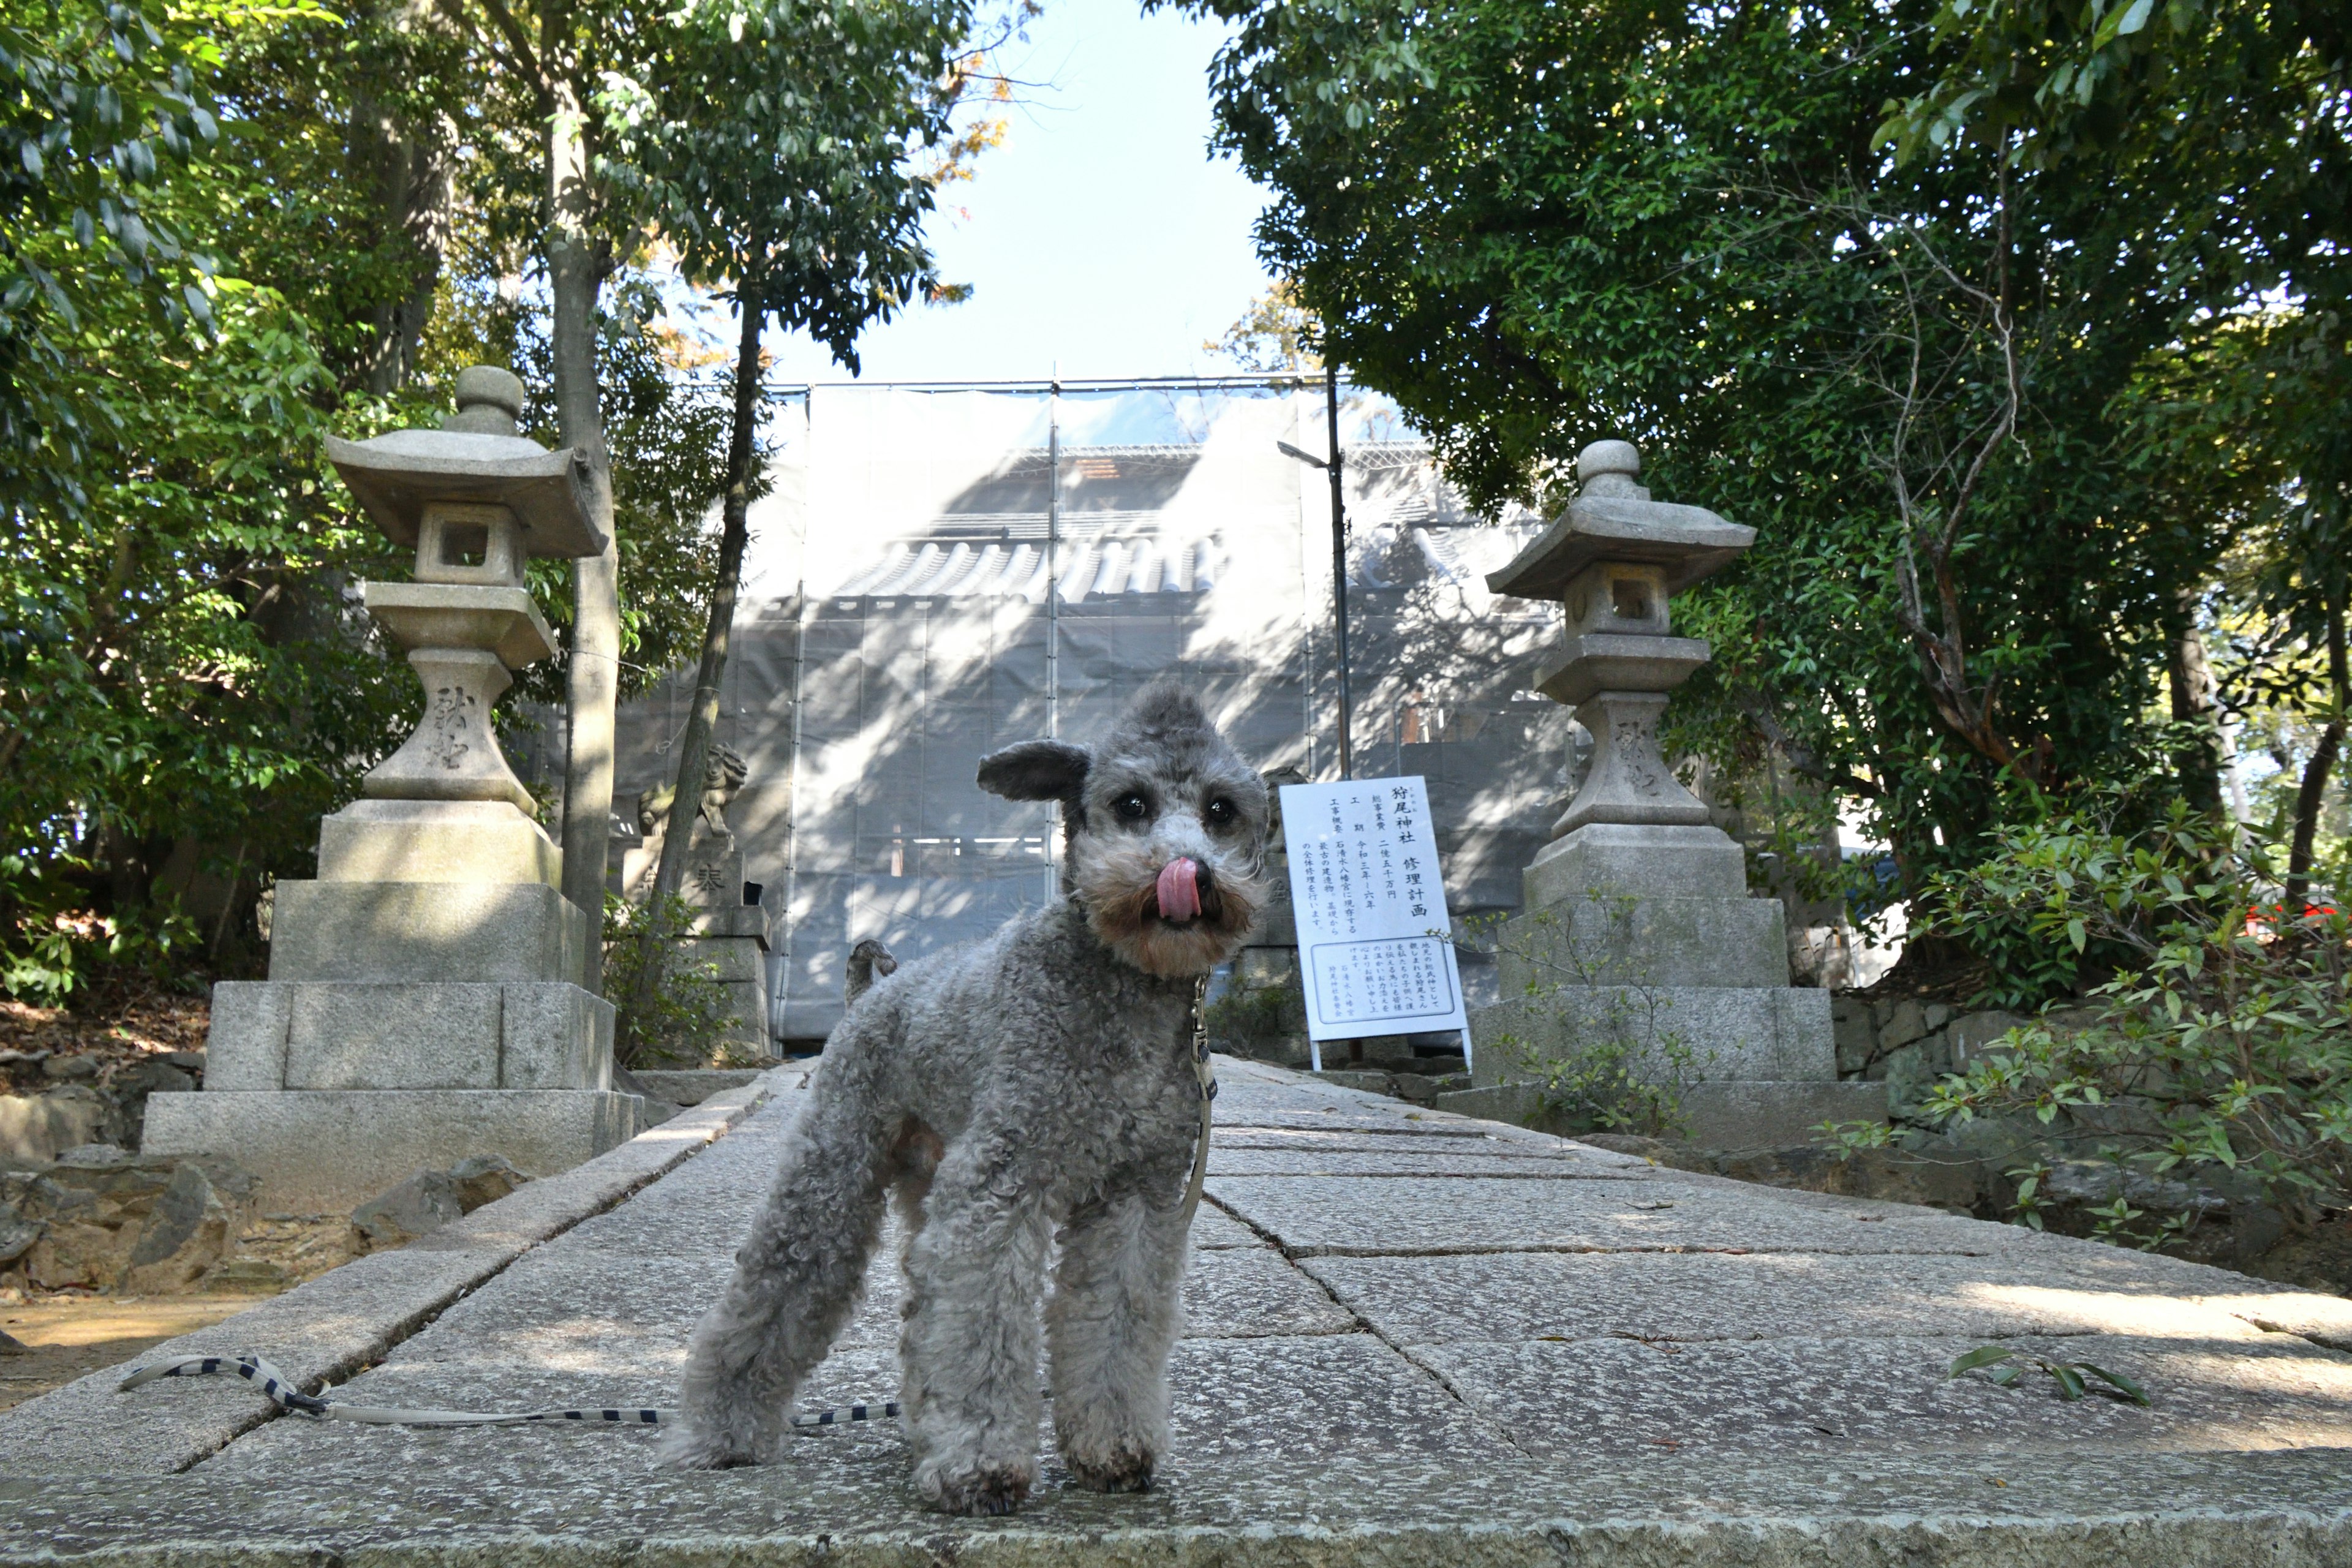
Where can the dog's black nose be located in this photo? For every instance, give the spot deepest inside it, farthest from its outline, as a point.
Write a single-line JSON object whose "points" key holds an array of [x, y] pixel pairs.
{"points": [[1212, 900]]}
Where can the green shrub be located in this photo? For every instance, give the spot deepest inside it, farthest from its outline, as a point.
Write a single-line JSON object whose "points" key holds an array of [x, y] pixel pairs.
{"points": [[2221, 1042], [58, 948], [689, 1010], [1256, 1013]]}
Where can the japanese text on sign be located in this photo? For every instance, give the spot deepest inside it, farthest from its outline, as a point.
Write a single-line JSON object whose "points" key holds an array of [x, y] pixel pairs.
{"points": [[1373, 936]]}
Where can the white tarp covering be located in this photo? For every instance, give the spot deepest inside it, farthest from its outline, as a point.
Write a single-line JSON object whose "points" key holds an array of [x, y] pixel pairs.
{"points": [[895, 626]]}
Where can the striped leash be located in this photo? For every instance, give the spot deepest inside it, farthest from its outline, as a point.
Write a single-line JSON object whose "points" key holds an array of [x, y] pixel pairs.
{"points": [[281, 1391], [281, 1388]]}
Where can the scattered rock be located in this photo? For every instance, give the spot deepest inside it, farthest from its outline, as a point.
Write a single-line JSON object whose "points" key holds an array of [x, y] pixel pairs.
{"points": [[186, 1061], [484, 1179], [71, 1067], [417, 1206], [102, 1217], [188, 1230], [11, 1345], [34, 1127], [430, 1199], [1905, 1022], [154, 1077], [248, 1276]]}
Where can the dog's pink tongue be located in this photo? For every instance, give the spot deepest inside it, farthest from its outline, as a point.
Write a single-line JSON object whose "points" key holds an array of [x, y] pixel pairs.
{"points": [[1180, 890]]}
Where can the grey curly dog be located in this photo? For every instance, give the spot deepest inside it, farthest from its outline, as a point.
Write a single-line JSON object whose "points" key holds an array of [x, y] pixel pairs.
{"points": [[1033, 1088]]}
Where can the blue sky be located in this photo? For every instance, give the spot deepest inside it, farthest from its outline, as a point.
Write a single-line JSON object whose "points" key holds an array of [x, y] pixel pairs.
{"points": [[1100, 234]]}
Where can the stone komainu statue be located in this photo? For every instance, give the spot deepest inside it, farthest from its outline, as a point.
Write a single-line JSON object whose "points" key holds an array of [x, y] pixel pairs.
{"points": [[723, 773]]}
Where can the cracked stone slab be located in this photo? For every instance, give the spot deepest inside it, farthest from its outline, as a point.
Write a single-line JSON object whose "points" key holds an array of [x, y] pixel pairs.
{"points": [[332, 1325], [1255, 1293], [1372, 1215], [1413, 1142], [1515, 1296], [1214, 1230], [1476, 1162], [1834, 1396], [1348, 1402], [1807, 1421]]}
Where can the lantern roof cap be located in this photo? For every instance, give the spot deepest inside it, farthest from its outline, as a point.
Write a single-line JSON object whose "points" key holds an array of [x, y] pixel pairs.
{"points": [[476, 455], [1613, 519]]}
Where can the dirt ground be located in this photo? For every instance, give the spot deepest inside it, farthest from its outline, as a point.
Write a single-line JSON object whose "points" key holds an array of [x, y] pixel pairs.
{"points": [[71, 1335]]}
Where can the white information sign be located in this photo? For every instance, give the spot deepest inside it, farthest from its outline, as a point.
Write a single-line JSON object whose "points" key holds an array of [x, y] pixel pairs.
{"points": [[1373, 947]]}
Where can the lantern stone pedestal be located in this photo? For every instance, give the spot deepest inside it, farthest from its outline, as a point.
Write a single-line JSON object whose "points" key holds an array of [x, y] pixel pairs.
{"points": [[420, 1005], [1637, 935]]}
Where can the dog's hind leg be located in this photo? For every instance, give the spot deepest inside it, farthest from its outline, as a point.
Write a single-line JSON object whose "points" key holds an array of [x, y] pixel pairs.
{"points": [[968, 1351], [1113, 1319], [796, 1278]]}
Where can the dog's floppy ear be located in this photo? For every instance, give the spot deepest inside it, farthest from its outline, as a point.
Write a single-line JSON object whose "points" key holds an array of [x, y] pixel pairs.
{"points": [[1036, 770]]}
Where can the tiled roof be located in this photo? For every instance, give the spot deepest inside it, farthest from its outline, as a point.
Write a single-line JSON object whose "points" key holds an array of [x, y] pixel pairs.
{"points": [[1098, 567]]}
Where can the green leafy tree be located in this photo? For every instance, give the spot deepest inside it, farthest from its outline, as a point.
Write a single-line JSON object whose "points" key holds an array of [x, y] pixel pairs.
{"points": [[2228, 117], [98, 103], [1535, 226], [775, 150]]}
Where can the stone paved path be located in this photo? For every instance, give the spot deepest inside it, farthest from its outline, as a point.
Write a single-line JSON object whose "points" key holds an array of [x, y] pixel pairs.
{"points": [[1414, 1338]]}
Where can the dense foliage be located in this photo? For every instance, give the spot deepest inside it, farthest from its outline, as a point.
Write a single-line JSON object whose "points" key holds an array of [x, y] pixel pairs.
{"points": [[2023, 350], [2221, 1045], [226, 230]]}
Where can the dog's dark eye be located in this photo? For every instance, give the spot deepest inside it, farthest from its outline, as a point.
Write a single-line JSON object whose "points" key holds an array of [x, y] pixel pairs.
{"points": [[1223, 811], [1132, 806]]}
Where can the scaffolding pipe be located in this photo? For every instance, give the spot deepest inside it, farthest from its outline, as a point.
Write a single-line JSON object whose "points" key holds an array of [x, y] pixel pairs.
{"points": [[1053, 600]]}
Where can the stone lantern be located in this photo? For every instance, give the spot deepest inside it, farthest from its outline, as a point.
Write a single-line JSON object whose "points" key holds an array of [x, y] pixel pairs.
{"points": [[1614, 560], [420, 1005], [1637, 933]]}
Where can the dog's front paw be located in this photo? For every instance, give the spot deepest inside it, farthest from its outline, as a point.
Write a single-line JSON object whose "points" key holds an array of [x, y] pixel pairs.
{"points": [[1125, 1468], [982, 1490], [685, 1447]]}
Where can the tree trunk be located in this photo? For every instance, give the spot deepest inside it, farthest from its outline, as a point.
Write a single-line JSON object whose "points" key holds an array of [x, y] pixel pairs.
{"points": [[702, 719], [410, 176], [592, 679], [2313, 792], [2198, 763]]}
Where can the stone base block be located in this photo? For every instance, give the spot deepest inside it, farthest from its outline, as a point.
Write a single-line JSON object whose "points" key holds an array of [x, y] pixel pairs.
{"points": [[436, 841], [1278, 927], [478, 932], [1652, 941], [692, 1086], [1646, 862], [739, 922], [322, 1152], [738, 960], [1772, 1033], [1731, 1116], [273, 1035]]}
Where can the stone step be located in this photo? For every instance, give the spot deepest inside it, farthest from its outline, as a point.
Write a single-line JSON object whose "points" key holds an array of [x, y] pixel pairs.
{"points": [[320, 1150], [272, 1035], [1712, 942]]}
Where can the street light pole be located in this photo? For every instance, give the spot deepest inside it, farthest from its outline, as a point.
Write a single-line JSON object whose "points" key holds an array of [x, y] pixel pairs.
{"points": [[1339, 566], [1334, 468]]}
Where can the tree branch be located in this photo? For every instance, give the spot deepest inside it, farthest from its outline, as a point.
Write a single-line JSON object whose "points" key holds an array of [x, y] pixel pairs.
{"points": [[518, 42]]}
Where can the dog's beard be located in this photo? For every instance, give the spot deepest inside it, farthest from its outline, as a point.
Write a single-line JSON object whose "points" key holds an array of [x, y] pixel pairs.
{"points": [[1119, 885]]}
